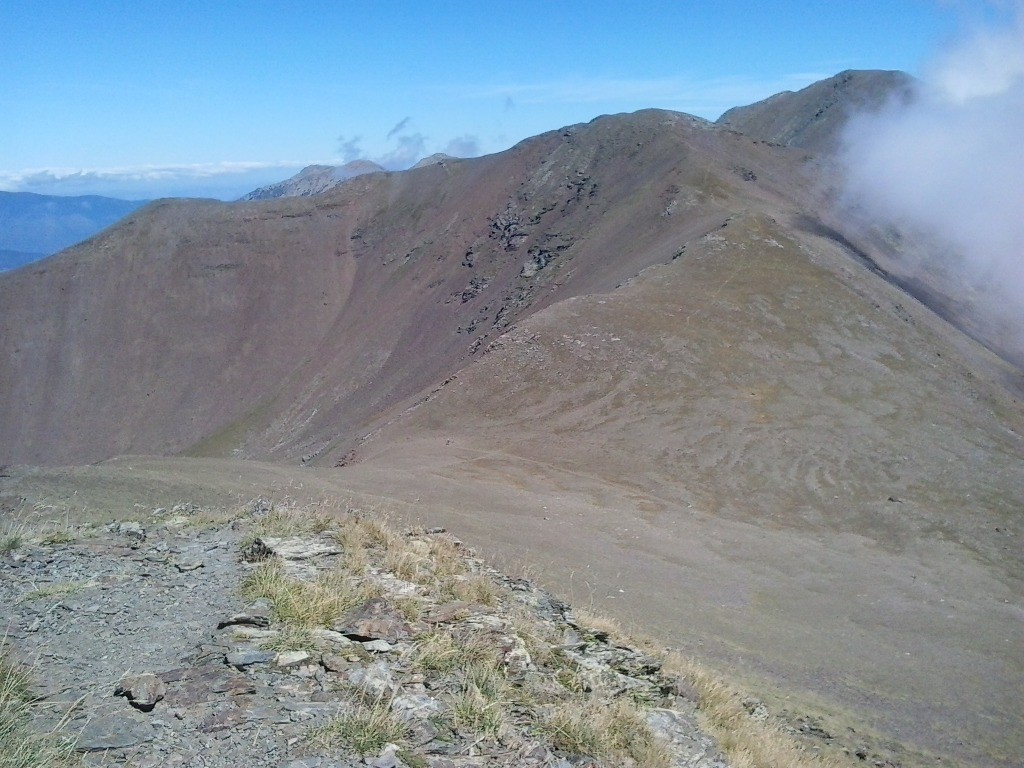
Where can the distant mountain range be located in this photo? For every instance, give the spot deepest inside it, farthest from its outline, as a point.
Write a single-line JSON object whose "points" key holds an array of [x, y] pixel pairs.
{"points": [[313, 180], [33, 226], [317, 179]]}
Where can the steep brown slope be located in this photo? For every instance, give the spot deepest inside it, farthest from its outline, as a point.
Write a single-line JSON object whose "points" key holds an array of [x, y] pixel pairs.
{"points": [[284, 329], [770, 456], [813, 117]]}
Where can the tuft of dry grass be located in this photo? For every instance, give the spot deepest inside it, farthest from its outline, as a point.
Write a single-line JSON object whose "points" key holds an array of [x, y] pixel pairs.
{"points": [[306, 604], [748, 743], [445, 556], [378, 531], [13, 537], [473, 588], [287, 519], [20, 746], [366, 728], [442, 653], [474, 712], [608, 732], [600, 625], [291, 638], [411, 608], [57, 589], [408, 566]]}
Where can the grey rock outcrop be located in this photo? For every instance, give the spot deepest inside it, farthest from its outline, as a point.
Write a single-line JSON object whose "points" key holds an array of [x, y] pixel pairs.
{"points": [[229, 686]]}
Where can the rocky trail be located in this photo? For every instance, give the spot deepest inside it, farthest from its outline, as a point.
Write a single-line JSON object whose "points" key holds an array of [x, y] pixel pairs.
{"points": [[303, 641]]}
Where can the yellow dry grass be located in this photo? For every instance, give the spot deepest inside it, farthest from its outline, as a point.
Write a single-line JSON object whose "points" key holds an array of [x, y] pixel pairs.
{"points": [[748, 743]]}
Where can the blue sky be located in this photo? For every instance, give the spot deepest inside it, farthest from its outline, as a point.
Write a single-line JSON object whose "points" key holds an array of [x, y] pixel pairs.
{"points": [[146, 99]]}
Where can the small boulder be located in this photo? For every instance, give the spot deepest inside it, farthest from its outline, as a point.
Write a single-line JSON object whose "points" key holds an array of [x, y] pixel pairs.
{"points": [[374, 620], [142, 691]]}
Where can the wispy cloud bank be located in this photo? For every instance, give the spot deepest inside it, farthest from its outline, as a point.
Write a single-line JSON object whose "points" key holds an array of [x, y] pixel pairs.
{"points": [[350, 148], [400, 126], [707, 98], [225, 180], [463, 146], [405, 147], [407, 150], [949, 164]]}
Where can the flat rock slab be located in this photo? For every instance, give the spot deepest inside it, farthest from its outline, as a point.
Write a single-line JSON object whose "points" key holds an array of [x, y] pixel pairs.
{"points": [[297, 548], [242, 659], [104, 733]]}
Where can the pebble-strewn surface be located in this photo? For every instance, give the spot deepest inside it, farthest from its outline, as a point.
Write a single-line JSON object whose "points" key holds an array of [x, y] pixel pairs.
{"points": [[144, 644]]}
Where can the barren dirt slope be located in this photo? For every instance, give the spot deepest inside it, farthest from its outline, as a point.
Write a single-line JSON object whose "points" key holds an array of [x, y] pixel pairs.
{"points": [[813, 117], [778, 458], [283, 329]]}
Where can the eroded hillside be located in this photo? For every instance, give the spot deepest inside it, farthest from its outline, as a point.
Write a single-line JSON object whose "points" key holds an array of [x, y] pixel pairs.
{"points": [[285, 329]]}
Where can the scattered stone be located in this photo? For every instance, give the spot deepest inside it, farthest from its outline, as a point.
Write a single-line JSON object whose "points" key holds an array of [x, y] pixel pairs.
{"points": [[298, 548], [374, 620], [226, 701], [102, 733], [292, 658], [242, 659], [256, 552], [249, 619], [142, 691]]}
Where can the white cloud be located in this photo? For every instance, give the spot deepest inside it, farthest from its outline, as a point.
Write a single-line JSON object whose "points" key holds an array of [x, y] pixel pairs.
{"points": [[949, 164], [463, 146], [225, 180], [988, 63], [400, 126], [408, 149]]}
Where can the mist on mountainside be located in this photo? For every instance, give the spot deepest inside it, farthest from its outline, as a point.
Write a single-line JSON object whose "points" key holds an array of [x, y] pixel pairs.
{"points": [[947, 165]]}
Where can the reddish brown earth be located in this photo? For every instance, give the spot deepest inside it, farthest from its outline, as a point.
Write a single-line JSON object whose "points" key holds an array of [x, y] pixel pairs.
{"points": [[633, 354]]}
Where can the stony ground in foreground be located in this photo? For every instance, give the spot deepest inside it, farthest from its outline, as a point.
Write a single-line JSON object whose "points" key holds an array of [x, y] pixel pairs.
{"points": [[288, 638]]}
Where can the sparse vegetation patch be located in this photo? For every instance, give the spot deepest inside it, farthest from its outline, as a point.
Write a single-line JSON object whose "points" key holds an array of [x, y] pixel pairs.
{"points": [[20, 745], [388, 645]]}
